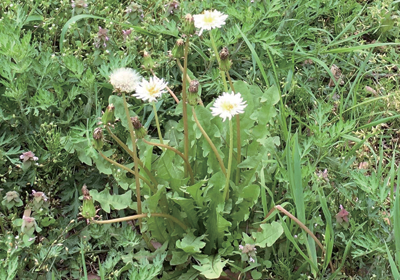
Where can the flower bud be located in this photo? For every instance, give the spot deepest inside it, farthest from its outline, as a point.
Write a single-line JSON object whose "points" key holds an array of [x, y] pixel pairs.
{"points": [[12, 199], [88, 209], [194, 86], [188, 25], [179, 50], [148, 62], [28, 225], [98, 138], [140, 131], [225, 62], [108, 116], [192, 97]]}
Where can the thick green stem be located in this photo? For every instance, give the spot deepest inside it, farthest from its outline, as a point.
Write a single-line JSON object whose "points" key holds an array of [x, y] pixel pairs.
{"points": [[125, 147], [153, 188], [226, 190], [238, 141], [178, 153], [221, 163], [157, 122], [184, 104], [222, 73], [135, 159], [146, 215]]}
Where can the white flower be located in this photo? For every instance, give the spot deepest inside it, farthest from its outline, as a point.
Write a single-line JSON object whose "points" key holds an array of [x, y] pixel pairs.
{"points": [[124, 80], [228, 105], [209, 20], [150, 90]]}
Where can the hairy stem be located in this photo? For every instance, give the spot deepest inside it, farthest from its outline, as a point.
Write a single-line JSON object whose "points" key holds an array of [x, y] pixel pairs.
{"points": [[157, 122], [135, 158], [184, 105], [146, 215], [222, 73], [177, 152], [125, 147], [221, 163], [226, 189], [238, 141], [153, 189]]}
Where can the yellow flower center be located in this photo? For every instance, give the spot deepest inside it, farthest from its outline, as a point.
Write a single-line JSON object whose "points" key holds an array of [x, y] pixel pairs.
{"points": [[152, 90], [227, 106], [208, 19]]}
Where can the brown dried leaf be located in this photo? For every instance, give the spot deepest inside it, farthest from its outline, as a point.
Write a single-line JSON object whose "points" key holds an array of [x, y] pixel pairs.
{"points": [[337, 73]]}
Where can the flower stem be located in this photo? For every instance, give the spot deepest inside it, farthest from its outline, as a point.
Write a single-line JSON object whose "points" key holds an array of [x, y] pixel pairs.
{"points": [[135, 159], [238, 141], [221, 163], [184, 105], [157, 122], [177, 152], [146, 215], [226, 190], [125, 147], [222, 73], [128, 170], [300, 224]]}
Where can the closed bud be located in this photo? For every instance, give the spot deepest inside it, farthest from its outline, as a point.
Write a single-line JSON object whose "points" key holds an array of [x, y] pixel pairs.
{"points": [[140, 131], [192, 97], [98, 138], [88, 209], [148, 62], [179, 50], [225, 62], [108, 116], [194, 86], [188, 25]]}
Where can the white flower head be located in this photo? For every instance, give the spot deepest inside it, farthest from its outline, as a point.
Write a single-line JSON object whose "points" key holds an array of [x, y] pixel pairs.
{"points": [[150, 90], [228, 105], [209, 20], [124, 80]]}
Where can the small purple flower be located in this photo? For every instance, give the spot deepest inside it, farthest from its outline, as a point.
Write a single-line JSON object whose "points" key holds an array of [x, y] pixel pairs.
{"points": [[28, 156], [251, 259], [342, 216], [172, 6], [126, 33], [101, 38], [79, 4], [39, 196], [133, 7]]}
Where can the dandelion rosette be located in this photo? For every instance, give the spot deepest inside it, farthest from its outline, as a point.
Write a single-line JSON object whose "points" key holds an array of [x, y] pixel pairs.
{"points": [[124, 80], [150, 90], [209, 20], [228, 105]]}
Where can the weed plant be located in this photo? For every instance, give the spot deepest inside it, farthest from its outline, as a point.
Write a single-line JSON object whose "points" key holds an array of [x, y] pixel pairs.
{"points": [[261, 144]]}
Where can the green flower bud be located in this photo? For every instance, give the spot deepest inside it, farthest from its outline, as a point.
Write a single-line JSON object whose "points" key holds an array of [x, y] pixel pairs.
{"points": [[108, 116], [225, 62], [88, 210], [12, 199], [193, 97], [179, 50], [28, 225], [98, 138], [188, 25], [148, 62], [140, 131]]}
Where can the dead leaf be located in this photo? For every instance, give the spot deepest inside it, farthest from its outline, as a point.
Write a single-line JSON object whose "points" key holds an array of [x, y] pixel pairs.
{"points": [[337, 73]]}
